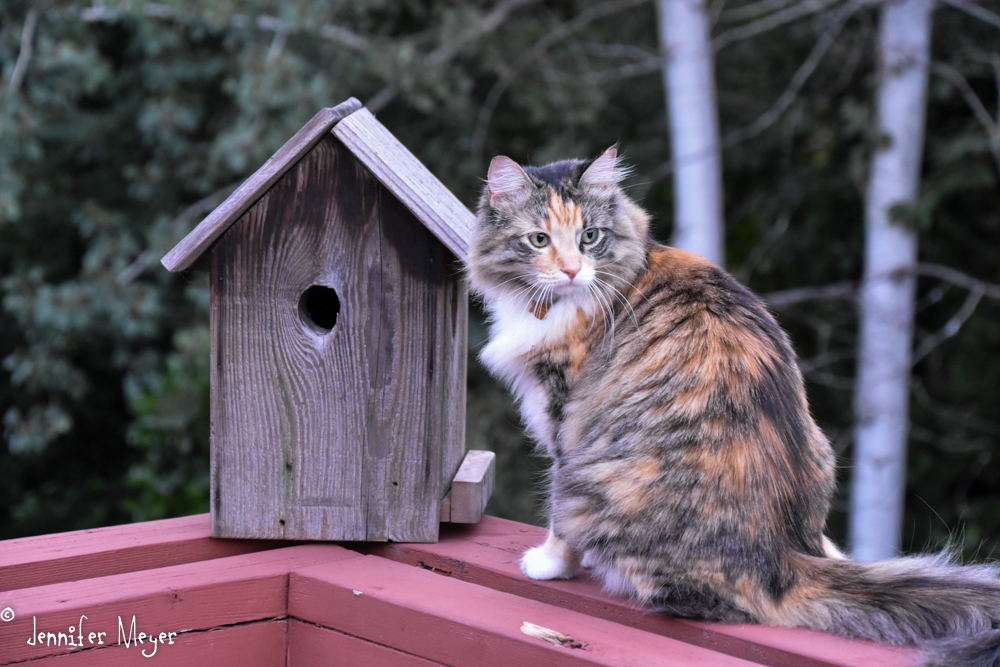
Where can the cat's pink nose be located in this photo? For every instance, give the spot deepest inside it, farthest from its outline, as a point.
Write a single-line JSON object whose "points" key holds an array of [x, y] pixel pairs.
{"points": [[571, 272]]}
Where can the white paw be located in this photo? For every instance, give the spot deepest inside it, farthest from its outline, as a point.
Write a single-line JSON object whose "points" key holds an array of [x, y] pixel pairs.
{"points": [[589, 558], [539, 563]]}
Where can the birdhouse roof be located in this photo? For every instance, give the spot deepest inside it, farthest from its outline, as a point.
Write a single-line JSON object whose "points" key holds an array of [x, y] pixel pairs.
{"points": [[391, 163]]}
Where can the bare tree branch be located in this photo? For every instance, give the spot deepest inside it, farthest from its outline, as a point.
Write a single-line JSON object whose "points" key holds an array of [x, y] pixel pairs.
{"points": [[825, 359], [752, 10], [342, 36], [770, 22], [956, 277], [785, 100], [952, 444], [951, 327], [621, 51], [715, 8], [486, 25], [830, 380], [446, 52], [381, 98], [193, 213], [759, 251], [27, 50], [982, 115], [346, 38], [972, 9], [846, 291], [631, 70], [543, 44], [798, 80], [962, 419]]}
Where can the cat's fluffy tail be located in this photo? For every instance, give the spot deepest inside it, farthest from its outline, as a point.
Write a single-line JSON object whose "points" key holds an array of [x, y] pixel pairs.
{"points": [[950, 612]]}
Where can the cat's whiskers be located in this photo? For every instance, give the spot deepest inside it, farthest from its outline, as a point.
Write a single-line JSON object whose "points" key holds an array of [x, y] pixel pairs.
{"points": [[614, 275], [486, 291], [596, 310], [514, 298], [620, 297], [611, 316], [606, 311], [537, 289]]}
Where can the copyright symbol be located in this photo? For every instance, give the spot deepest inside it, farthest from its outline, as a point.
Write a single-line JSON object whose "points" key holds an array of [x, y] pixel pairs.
{"points": [[7, 614]]}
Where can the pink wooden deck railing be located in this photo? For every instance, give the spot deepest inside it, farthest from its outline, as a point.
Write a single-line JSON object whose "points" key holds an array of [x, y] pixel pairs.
{"points": [[462, 601]]}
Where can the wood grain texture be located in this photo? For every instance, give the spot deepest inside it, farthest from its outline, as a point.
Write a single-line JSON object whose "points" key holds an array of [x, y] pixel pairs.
{"points": [[488, 554], [472, 487], [312, 646], [457, 623], [98, 552], [343, 434], [456, 354], [260, 644], [192, 246], [180, 598], [446, 507], [417, 343], [290, 405], [407, 178]]}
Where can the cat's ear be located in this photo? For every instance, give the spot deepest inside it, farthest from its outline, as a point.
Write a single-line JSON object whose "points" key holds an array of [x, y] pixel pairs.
{"points": [[507, 181], [603, 174]]}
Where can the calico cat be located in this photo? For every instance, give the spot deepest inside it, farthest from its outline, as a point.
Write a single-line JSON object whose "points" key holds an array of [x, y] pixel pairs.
{"points": [[687, 471]]}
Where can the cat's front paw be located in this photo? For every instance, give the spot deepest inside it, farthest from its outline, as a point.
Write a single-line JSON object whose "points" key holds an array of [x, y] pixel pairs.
{"points": [[541, 563]]}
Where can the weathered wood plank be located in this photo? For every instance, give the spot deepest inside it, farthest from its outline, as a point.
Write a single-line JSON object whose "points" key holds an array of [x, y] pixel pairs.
{"points": [[407, 178], [488, 554], [313, 646], [180, 598], [260, 644], [422, 310], [192, 246], [98, 552], [457, 623], [472, 487], [290, 409], [453, 400], [446, 507]]}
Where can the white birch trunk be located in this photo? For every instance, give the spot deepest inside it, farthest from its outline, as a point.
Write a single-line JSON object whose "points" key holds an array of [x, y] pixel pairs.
{"points": [[689, 79], [888, 286]]}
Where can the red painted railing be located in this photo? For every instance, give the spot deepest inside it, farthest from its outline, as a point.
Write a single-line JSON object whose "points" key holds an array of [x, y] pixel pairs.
{"points": [[71, 599]]}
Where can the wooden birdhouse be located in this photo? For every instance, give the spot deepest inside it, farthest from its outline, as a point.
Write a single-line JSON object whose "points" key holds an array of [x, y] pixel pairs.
{"points": [[339, 328]]}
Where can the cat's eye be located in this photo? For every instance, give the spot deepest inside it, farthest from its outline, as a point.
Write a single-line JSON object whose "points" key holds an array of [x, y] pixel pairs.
{"points": [[538, 239], [590, 235]]}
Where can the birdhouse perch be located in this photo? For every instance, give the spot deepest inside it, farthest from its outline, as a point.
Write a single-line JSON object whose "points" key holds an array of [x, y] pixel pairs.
{"points": [[339, 332]]}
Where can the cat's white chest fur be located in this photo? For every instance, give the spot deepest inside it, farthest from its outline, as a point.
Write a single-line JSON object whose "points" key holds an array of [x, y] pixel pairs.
{"points": [[516, 336]]}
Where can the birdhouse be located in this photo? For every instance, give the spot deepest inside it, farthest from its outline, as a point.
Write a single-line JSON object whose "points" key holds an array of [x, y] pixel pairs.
{"points": [[339, 335]]}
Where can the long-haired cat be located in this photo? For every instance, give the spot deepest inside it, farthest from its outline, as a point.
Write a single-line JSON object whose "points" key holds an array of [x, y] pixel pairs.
{"points": [[686, 468]]}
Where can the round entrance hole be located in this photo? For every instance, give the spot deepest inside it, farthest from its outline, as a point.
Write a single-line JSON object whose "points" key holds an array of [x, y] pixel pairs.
{"points": [[318, 307]]}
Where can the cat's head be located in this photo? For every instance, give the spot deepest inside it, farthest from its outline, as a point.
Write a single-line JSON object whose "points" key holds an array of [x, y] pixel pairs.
{"points": [[561, 230]]}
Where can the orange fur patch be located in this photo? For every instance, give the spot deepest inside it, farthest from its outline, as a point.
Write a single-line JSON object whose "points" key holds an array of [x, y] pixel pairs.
{"points": [[667, 261], [630, 484], [562, 213]]}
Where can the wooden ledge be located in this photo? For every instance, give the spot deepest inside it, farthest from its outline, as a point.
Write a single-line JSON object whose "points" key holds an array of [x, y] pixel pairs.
{"points": [[269, 603], [85, 554], [488, 554]]}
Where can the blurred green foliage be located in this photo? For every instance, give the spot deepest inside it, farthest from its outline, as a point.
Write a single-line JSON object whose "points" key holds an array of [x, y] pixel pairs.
{"points": [[135, 119]]}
